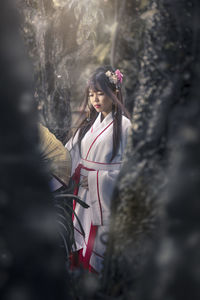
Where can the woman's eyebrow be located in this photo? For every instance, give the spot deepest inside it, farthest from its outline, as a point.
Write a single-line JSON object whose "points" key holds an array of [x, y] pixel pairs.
{"points": [[95, 91]]}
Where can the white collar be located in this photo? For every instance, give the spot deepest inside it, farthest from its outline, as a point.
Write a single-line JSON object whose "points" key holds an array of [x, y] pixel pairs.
{"points": [[106, 120]]}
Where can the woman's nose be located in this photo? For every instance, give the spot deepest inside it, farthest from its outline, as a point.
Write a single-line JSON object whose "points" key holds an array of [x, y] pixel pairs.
{"points": [[96, 98]]}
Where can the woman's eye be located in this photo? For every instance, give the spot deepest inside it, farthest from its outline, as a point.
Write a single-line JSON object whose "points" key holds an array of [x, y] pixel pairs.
{"points": [[90, 95], [100, 94]]}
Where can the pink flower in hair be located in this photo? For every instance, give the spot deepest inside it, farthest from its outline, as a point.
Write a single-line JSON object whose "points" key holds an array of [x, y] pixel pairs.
{"points": [[119, 75]]}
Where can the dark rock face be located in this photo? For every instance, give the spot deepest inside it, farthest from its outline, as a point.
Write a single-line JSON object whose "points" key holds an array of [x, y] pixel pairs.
{"points": [[66, 41], [46, 30], [172, 271], [165, 103], [31, 264], [59, 40]]}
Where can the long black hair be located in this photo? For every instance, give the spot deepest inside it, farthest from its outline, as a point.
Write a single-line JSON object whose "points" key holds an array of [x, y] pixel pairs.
{"points": [[99, 81]]}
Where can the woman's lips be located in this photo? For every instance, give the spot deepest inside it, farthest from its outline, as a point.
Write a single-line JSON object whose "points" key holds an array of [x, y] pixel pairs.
{"points": [[97, 106]]}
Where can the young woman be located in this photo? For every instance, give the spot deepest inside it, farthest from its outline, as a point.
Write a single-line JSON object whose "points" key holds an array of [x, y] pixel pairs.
{"points": [[97, 150]]}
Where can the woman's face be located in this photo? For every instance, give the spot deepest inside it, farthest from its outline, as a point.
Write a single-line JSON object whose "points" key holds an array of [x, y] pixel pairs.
{"points": [[100, 101]]}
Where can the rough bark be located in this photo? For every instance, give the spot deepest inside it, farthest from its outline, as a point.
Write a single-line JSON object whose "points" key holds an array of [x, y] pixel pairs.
{"points": [[165, 54], [172, 270]]}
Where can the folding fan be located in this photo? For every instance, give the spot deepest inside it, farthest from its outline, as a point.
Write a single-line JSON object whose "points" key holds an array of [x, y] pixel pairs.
{"points": [[55, 155]]}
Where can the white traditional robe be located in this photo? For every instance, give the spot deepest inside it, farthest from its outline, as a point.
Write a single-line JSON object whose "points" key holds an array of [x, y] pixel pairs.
{"points": [[96, 152]]}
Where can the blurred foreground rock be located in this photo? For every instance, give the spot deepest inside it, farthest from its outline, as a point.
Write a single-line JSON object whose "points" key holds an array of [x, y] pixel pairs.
{"points": [[31, 264], [155, 200]]}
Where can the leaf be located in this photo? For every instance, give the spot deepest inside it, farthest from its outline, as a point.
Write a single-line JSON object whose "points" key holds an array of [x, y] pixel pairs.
{"points": [[76, 198]]}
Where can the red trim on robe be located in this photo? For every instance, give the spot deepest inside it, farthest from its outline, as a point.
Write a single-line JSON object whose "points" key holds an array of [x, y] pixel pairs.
{"points": [[80, 260], [90, 245], [78, 231], [93, 229], [77, 260], [99, 197], [76, 178], [96, 139], [82, 235]]}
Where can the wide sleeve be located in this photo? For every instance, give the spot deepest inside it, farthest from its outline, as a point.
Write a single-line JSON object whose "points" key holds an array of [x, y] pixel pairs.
{"points": [[101, 185], [72, 147], [126, 130]]}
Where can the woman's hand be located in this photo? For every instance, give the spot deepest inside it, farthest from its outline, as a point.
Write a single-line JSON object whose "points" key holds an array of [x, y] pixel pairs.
{"points": [[84, 182]]}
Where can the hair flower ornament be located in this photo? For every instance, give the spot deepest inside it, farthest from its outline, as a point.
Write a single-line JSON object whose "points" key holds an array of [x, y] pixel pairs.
{"points": [[115, 77], [119, 75]]}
